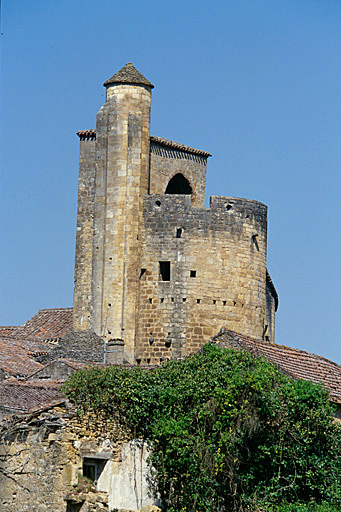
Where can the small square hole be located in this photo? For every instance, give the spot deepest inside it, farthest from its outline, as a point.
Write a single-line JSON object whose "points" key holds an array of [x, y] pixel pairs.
{"points": [[193, 273]]}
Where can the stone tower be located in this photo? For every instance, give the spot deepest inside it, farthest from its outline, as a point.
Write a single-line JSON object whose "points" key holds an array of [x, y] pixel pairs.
{"points": [[155, 270], [121, 159]]}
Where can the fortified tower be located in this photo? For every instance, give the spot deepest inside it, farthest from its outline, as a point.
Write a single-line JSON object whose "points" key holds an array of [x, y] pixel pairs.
{"points": [[155, 271]]}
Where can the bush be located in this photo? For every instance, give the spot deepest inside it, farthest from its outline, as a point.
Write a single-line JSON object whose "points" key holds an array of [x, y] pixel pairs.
{"points": [[311, 507], [227, 431]]}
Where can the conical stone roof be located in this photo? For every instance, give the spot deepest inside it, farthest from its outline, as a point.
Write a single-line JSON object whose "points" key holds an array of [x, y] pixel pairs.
{"points": [[128, 75]]}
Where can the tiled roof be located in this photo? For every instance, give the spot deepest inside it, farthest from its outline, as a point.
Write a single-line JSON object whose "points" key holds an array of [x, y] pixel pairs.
{"points": [[292, 361], [87, 134], [128, 75], [78, 346], [6, 330], [22, 396], [47, 325], [16, 355], [160, 141]]}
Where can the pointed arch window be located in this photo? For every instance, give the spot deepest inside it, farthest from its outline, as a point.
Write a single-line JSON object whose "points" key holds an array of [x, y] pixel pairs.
{"points": [[179, 185]]}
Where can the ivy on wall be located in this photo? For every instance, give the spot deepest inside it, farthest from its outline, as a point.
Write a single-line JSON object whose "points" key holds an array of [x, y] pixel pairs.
{"points": [[227, 431]]}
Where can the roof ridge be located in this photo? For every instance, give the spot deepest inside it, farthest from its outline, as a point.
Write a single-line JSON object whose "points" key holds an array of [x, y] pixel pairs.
{"points": [[177, 145], [162, 141], [277, 345], [54, 309]]}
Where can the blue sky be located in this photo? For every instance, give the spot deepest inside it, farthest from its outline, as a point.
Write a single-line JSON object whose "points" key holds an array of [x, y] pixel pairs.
{"points": [[256, 83]]}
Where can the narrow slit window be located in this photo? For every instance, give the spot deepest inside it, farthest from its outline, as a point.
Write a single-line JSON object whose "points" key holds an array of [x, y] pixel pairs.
{"points": [[164, 270], [255, 241], [193, 273], [178, 233]]}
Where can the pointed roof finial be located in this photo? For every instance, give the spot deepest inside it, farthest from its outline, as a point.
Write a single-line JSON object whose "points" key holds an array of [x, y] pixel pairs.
{"points": [[128, 75]]}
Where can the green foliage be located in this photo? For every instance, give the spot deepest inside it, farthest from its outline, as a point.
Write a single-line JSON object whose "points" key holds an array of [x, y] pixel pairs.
{"points": [[301, 507], [227, 431], [84, 485]]}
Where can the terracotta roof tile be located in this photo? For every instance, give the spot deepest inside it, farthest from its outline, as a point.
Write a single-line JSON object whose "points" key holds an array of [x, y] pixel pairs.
{"points": [[297, 363], [47, 325], [16, 356], [22, 396], [19, 346], [87, 134], [160, 141]]}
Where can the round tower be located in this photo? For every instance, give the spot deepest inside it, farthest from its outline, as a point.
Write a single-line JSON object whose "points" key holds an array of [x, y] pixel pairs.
{"points": [[122, 167]]}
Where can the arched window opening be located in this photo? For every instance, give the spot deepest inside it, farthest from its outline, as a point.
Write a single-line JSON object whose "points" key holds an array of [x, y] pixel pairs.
{"points": [[178, 185]]}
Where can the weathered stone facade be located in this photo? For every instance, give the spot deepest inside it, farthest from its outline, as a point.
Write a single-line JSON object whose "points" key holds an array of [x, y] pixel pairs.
{"points": [[166, 162], [153, 266], [84, 238], [44, 456], [217, 273]]}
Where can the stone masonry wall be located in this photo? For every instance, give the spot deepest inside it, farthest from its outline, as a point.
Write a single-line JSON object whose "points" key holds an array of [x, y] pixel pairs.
{"points": [[122, 160], [217, 262], [84, 234], [269, 328], [41, 460], [167, 162]]}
